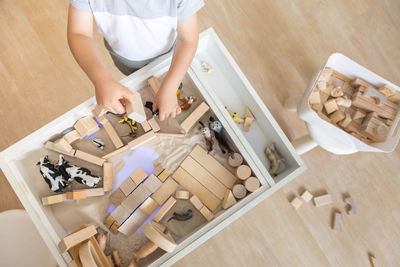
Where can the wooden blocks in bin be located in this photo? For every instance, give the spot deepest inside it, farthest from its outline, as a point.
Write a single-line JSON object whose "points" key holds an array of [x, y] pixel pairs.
{"points": [[229, 200], [201, 208], [76, 238], [159, 238], [164, 209]]}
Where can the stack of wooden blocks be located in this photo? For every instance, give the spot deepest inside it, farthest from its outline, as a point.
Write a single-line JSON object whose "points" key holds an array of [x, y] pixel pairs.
{"points": [[356, 106]]}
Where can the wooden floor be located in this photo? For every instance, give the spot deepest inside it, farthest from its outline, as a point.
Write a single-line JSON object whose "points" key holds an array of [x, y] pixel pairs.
{"points": [[279, 45]]}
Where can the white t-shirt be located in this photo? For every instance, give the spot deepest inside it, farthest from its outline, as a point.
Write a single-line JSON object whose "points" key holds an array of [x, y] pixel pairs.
{"points": [[139, 29]]}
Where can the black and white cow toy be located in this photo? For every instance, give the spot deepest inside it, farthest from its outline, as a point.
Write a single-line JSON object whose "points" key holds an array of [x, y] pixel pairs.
{"points": [[51, 175], [80, 174]]}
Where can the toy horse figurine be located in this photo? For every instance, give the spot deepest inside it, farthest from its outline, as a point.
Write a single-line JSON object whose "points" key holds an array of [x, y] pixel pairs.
{"points": [[274, 159], [217, 128], [187, 101], [205, 131]]}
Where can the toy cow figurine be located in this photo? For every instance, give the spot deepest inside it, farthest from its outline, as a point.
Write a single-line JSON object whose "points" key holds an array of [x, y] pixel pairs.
{"points": [[80, 174], [217, 128], [51, 175], [205, 131]]}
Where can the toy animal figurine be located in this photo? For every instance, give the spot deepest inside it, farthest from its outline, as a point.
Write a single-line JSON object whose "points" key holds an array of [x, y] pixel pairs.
{"points": [[274, 160], [149, 105], [205, 131], [236, 118], [217, 128], [178, 92], [99, 143], [51, 175], [131, 123], [187, 101], [182, 217], [206, 67], [79, 174]]}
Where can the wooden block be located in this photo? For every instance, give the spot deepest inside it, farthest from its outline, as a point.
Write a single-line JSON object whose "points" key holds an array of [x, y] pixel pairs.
{"points": [[330, 106], [117, 260], [108, 221], [395, 98], [138, 176], [236, 161], [115, 152], [76, 238], [315, 98], [157, 171], [86, 126], [152, 183], [127, 186], [325, 74], [159, 226], [133, 223], [386, 111], [306, 196], [72, 136], [229, 200], [50, 145], [204, 177], [351, 209], [337, 116], [348, 90], [324, 96], [75, 195], [182, 194], [346, 122], [321, 85], [239, 191], [136, 198], [108, 176], [114, 227], [336, 82], [95, 192], [163, 176], [361, 82], [372, 260], [120, 214], [87, 255], [317, 107], [337, 91], [154, 124], [248, 119], [206, 213], [138, 141], [149, 206], [154, 85], [324, 117], [157, 237], [322, 200], [379, 98], [112, 134], [196, 202], [386, 90], [98, 111], [50, 200], [343, 103], [164, 209], [336, 223], [213, 166], [146, 126], [194, 117], [164, 191], [191, 184], [251, 184], [89, 158], [117, 197], [296, 202], [171, 135], [144, 251], [341, 76], [135, 111], [243, 172], [359, 114]]}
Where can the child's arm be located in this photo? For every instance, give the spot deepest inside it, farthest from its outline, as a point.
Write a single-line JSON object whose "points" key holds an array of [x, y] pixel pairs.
{"points": [[80, 40], [184, 52]]}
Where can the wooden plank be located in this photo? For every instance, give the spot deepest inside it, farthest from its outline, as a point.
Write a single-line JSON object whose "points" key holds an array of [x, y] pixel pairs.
{"points": [[50, 200], [152, 183], [154, 84], [112, 133], [213, 166], [89, 158], [108, 176], [164, 191], [138, 141], [164, 209], [149, 206], [135, 111], [194, 117], [204, 177], [133, 223], [194, 186], [76, 238]]}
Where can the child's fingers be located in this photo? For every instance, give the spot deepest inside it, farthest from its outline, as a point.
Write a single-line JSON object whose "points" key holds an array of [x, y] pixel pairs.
{"points": [[178, 110], [128, 95], [155, 106], [118, 108], [161, 116]]}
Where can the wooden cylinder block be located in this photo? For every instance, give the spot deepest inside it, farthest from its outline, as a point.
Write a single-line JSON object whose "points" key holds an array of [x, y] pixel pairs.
{"points": [[145, 251], [239, 191], [236, 161], [251, 184], [243, 172]]}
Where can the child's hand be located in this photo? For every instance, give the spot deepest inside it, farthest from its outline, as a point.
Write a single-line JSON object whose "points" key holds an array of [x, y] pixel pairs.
{"points": [[110, 95], [167, 104]]}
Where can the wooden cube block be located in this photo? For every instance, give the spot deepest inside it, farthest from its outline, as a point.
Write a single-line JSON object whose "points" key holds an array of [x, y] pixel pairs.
{"points": [[127, 186], [135, 111], [330, 106], [321, 85], [149, 206], [163, 176], [323, 96], [114, 227], [138, 176], [322, 200], [296, 202], [152, 183], [86, 126], [325, 74], [120, 214], [206, 213], [337, 116], [50, 200], [336, 223], [196, 202], [139, 195], [75, 195], [98, 111], [108, 176], [158, 170], [108, 221], [194, 117], [72, 136], [154, 125], [63, 144], [117, 197], [315, 98], [146, 126], [306, 196], [346, 122], [164, 209]]}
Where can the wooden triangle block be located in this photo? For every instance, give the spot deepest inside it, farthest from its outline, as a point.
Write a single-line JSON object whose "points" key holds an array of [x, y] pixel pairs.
{"points": [[248, 119], [229, 200]]}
